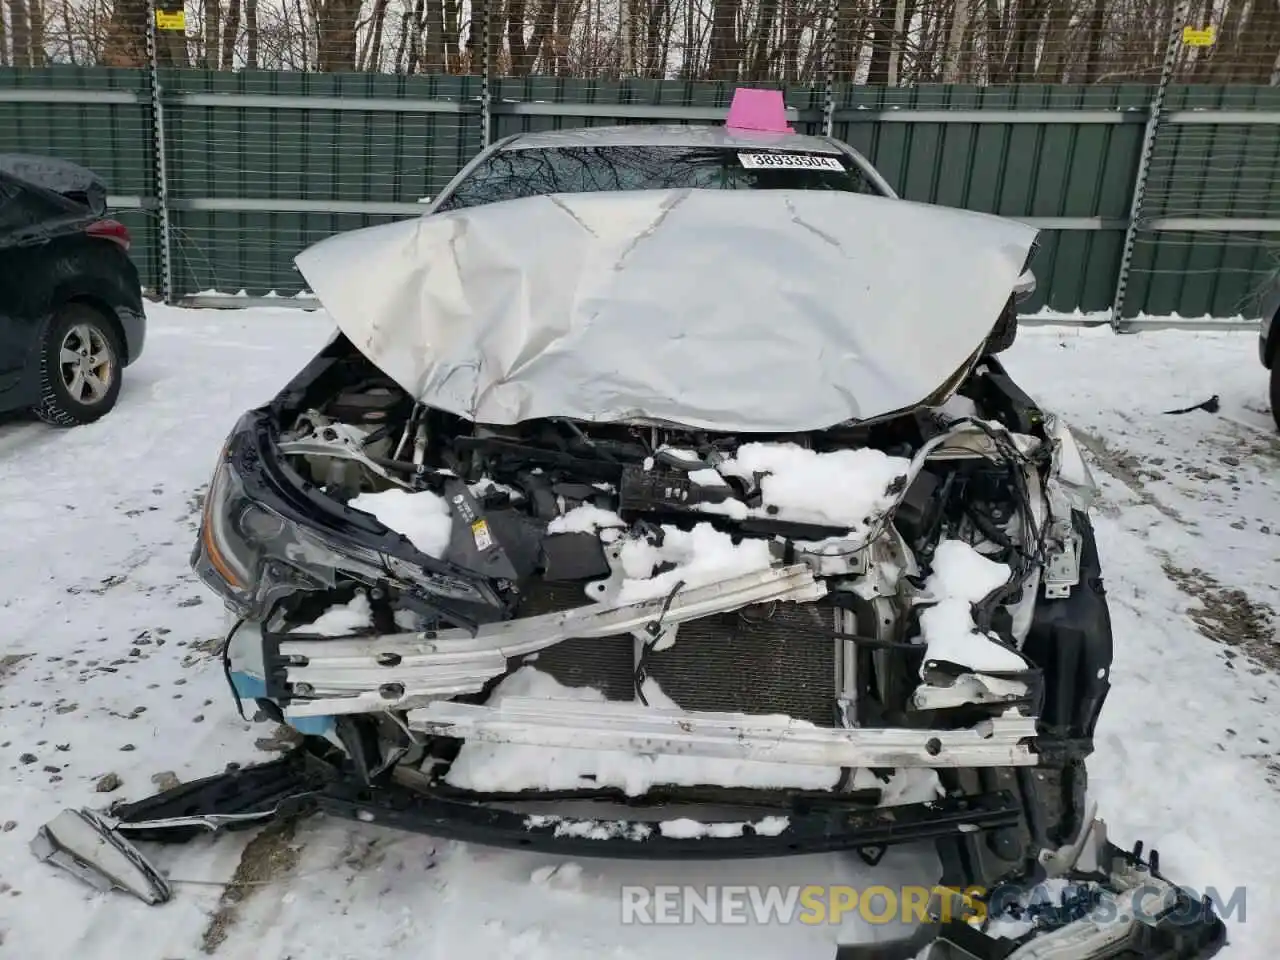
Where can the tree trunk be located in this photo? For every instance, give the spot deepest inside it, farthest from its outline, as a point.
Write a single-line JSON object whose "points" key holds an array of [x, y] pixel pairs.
{"points": [[73, 55], [433, 58], [758, 69], [566, 17], [125, 44], [402, 45], [450, 38], [659, 25], [212, 23], [791, 39], [1026, 37], [725, 55], [544, 16], [415, 38], [230, 34], [1055, 61], [21, 31], [515, 38], [35, 20], [1254, 53], [251, 34], [626, 42], [336, 25], [882, 41], [373, 53], [955, 42], [1093, 55]]}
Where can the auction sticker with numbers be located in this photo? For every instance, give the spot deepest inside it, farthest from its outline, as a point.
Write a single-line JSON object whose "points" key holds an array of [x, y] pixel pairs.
{"points": [[480, 533], [788, 161]]}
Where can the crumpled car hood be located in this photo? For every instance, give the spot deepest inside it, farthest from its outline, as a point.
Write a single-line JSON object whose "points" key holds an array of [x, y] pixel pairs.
{"points": [[744, 311]]}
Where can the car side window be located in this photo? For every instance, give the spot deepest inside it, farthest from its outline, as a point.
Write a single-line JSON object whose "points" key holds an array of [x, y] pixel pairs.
{"points": [[23, 207]]}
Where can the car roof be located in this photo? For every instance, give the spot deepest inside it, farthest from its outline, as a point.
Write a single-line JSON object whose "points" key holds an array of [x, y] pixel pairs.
{"points": [[669, 135]]}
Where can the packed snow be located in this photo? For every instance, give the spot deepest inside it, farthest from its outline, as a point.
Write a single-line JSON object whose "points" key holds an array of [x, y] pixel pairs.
{"points": [[503, 767], [341, 618], [961, 576], [422, 517], [696, 557], [590, 829], [108, 666], [586, 518], [839, 488], [683, 828]]}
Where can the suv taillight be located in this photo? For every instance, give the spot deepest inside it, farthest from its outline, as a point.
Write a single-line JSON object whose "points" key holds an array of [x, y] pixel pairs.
{"points": [[112, 230]]}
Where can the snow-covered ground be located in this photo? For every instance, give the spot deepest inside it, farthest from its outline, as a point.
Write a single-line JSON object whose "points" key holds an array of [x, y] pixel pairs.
{"points": [[106, 671]]}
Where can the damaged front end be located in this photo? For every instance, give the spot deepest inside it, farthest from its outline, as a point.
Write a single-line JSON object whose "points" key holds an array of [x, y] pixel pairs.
{"points": [[555, 565], [574, 637]]}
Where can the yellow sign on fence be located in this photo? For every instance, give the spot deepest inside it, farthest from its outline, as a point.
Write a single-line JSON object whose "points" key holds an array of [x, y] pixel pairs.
{"points": [[177, 20], [1199, 37]]}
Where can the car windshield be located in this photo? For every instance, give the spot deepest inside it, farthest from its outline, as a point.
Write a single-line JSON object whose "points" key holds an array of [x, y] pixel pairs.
{"points": [[511, 174]]}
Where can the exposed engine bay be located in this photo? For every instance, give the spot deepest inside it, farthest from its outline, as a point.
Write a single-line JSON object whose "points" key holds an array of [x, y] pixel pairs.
{"points": [[908, 574]]}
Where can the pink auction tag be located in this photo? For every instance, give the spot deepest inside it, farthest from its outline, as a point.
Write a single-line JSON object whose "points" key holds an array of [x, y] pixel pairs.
{"points": [[761, 110]]}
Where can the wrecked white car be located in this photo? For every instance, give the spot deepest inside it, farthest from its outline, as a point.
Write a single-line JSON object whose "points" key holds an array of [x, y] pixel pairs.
{"points": [[628, 491]]}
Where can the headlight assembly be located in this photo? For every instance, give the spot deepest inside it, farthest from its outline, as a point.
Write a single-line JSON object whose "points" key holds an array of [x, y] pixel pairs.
{"points": [[252, 555]]}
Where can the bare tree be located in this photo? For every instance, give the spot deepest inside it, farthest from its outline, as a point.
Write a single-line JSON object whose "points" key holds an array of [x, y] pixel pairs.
{"points": [[334, 25], [251, 34], [20, 31], [230, 34], [370, 57], [212, 18]]}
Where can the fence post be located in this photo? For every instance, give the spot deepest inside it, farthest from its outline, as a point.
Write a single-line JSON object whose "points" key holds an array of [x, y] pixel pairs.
{"points": [[1144, 161], [486, 81], [159, 157], [832, 19]]}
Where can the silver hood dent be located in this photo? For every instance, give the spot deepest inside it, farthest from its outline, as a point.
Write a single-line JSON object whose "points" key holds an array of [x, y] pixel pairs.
{"points": [[768, 311]]}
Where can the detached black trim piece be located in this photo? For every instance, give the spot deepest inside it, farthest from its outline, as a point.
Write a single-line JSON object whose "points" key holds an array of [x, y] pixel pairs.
{"points": [[302, 782], [263, 787], [815, 832]]}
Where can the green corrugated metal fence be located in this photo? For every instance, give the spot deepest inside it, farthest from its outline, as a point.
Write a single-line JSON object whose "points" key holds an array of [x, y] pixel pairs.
{"points": [[262, 164]]}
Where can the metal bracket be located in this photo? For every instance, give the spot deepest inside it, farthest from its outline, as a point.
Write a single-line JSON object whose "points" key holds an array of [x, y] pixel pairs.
{"points": [[1062, 571]]}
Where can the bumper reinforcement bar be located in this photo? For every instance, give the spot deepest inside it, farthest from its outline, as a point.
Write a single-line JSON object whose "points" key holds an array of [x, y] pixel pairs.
{"points": [[571, 724], [343, 675]]}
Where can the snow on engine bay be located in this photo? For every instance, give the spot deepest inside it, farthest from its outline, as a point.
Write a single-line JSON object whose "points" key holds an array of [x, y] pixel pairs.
{"points": [[849, 488]]}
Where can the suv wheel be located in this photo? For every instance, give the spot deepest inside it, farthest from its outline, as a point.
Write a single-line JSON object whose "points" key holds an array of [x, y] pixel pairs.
{"points": [[79, 367]]}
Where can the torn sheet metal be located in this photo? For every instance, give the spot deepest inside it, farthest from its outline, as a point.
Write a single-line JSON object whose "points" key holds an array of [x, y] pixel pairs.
{"points": [[674, 306]]}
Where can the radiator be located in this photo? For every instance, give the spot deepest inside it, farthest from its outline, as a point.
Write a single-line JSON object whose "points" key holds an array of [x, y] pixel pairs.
{"points": [[764, 660]]}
